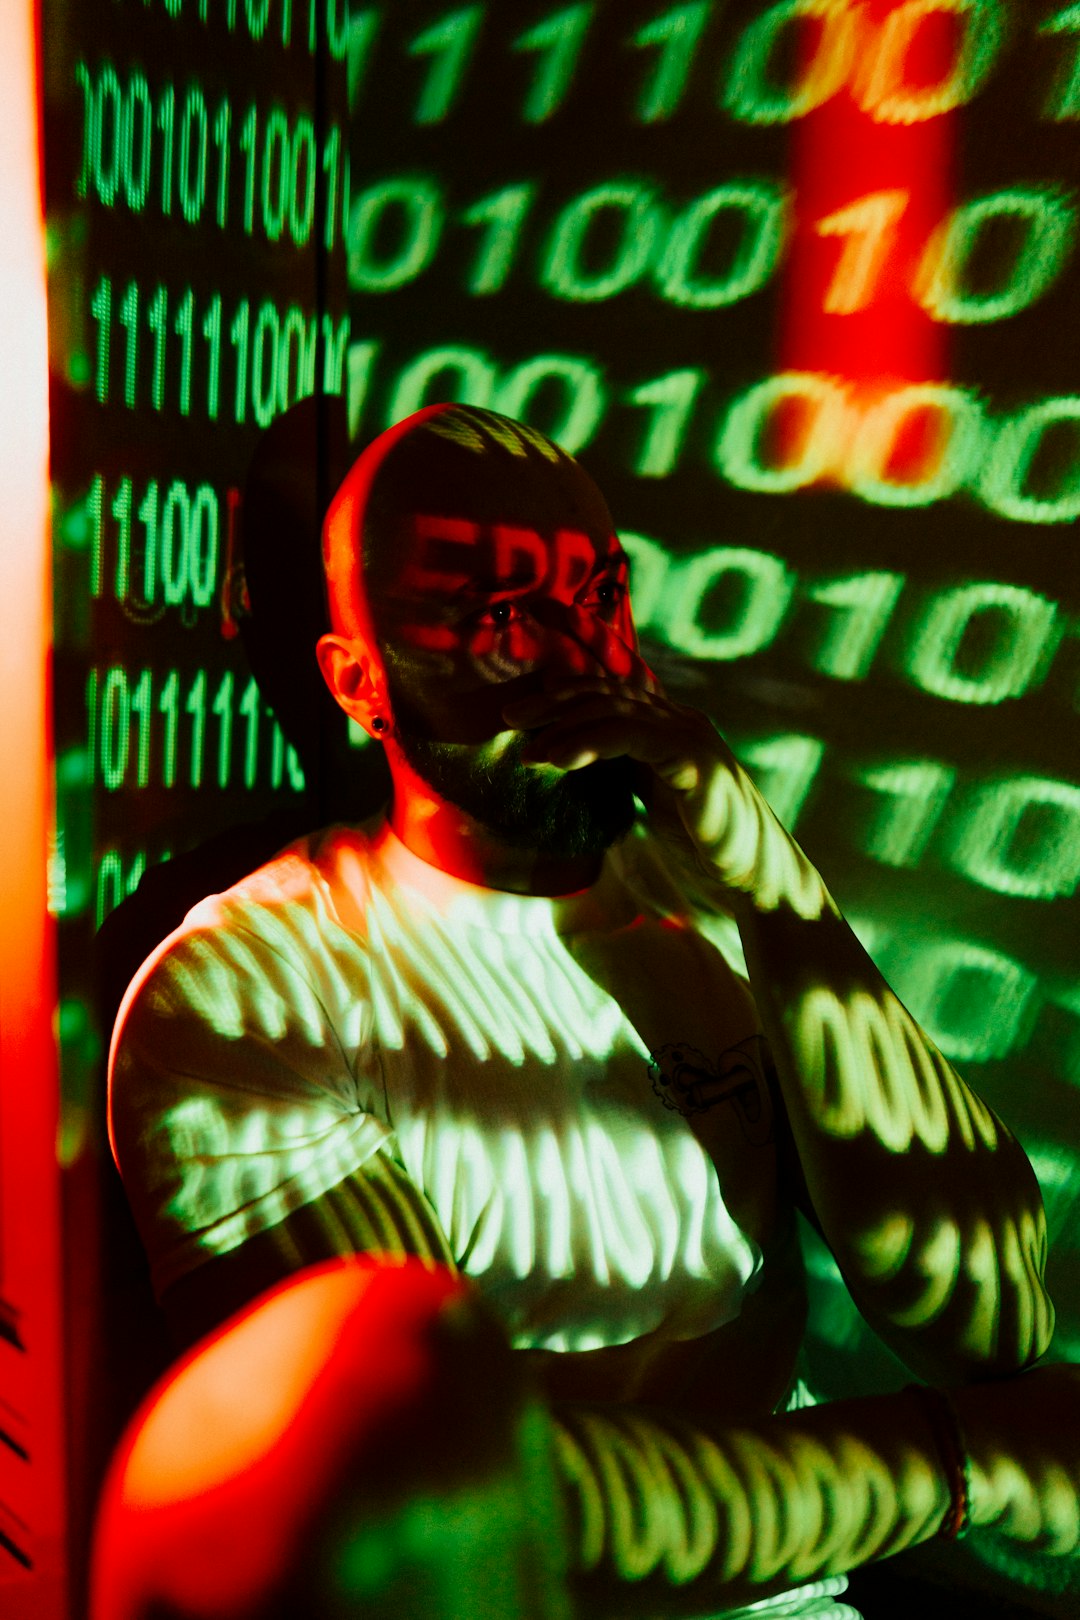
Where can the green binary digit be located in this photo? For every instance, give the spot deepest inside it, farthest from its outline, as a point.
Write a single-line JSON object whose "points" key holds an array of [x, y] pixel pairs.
{"points": [[250, 711], [203, 546], [101, 310], [221, 140], [86, 165], [196, 708], [762, 207], [1022, 837], [222, 710], [148, 517], [559, 40], [566, 271], [363, 26], [1046, 235], [584, 394], [302, 196], [504, 214], [671, 399], [121, 511], [1064, 99], [108, 130], [785, 768], [194, 141], [211, 330], [275, 163], [761, 585], [1005, 664], [129, 320], [331, 162], [866, 603], [678, 34], [138, 113], [174, 542], [140, 708], [913, 795], [265, 362], [249, 133], [182, 325], [450, 44], [749, 94], [417, 201], [95, 512], [156, 320], [166, 121], [115, 728], [258, 14], [238, 337], [169, 708], [1020, 449]]}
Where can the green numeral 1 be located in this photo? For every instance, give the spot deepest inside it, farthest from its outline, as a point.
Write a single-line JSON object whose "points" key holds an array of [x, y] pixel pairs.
{"points": [[169, 706], [561, 37], [238, 336], [677, 32], [1065, 102], [183, 324], [211, 329], [155, 318], [450, 43], [504, 214], [867, 601], [250, 709], [121, 511], [196, 707], [166, 117], [221, 141], [101, 310], [672, 398], [914, 793], [140, 707], [129, 320], [222, 709], [362, 29]]}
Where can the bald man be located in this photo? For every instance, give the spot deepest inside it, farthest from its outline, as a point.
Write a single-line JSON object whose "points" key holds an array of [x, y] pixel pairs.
{"points": [[576, 1019]]}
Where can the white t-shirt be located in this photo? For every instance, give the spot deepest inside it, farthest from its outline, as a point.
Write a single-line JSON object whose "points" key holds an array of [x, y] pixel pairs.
{"points": [[517, 1056], [569, 1083]]}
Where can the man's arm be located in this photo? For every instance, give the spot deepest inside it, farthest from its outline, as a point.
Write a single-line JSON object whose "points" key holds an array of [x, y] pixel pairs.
{"points": [[927, 1201], [666, 1517]]}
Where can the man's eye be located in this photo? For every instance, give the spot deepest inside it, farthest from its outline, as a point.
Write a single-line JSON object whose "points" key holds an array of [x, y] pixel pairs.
{"points": [[609, 594], [499, 614]]}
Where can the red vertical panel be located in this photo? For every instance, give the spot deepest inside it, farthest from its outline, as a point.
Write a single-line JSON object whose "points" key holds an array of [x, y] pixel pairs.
{"points": [[32, 1516], [872, 180]]}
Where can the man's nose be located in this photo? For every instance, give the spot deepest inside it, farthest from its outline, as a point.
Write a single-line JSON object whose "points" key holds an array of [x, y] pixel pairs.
{"points": [[576, 642]]}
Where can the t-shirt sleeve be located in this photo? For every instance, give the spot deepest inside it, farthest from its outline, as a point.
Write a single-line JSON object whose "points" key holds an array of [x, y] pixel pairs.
{"points": [[238, 1090]]}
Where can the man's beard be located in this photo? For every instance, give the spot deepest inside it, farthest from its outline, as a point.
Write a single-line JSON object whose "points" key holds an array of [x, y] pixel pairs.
{"points": [[567, 814]]}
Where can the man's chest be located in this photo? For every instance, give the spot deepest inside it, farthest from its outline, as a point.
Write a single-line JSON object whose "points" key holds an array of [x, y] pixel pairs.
{"points": [[588, 1119]]}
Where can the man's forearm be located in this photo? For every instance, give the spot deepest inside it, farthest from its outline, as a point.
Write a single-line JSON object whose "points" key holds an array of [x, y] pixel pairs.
{"points": [[665, 1517], [928, 1203]]}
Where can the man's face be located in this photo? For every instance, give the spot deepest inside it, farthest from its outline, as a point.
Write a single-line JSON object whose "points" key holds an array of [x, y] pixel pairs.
{"points": [[472, 614]]}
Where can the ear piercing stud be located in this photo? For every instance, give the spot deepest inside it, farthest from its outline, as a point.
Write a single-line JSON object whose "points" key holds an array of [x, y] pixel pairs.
{"points": [[378, 724]]}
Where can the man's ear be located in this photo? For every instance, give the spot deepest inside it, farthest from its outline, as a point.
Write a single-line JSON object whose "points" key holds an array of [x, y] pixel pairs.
{"points": [[355, 678]]}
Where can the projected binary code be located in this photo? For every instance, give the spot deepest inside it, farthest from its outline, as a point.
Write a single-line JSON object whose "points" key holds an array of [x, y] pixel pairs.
{"points": [[797, 283]]}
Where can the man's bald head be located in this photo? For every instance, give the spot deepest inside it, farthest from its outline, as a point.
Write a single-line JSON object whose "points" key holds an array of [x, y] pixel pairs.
{"points": [[446, 460]]}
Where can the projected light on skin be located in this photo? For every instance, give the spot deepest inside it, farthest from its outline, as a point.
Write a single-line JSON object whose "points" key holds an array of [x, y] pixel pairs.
{"points": [[494, 631]]}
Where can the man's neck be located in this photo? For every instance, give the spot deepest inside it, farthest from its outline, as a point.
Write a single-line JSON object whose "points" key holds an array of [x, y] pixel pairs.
{"points": [[448, 838]]}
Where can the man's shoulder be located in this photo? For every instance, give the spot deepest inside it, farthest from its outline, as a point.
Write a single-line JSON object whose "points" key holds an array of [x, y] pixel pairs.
{"points": [[280, 929]]}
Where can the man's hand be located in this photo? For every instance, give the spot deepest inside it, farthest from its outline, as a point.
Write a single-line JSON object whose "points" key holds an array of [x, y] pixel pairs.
{"points": [[699, 799]]}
